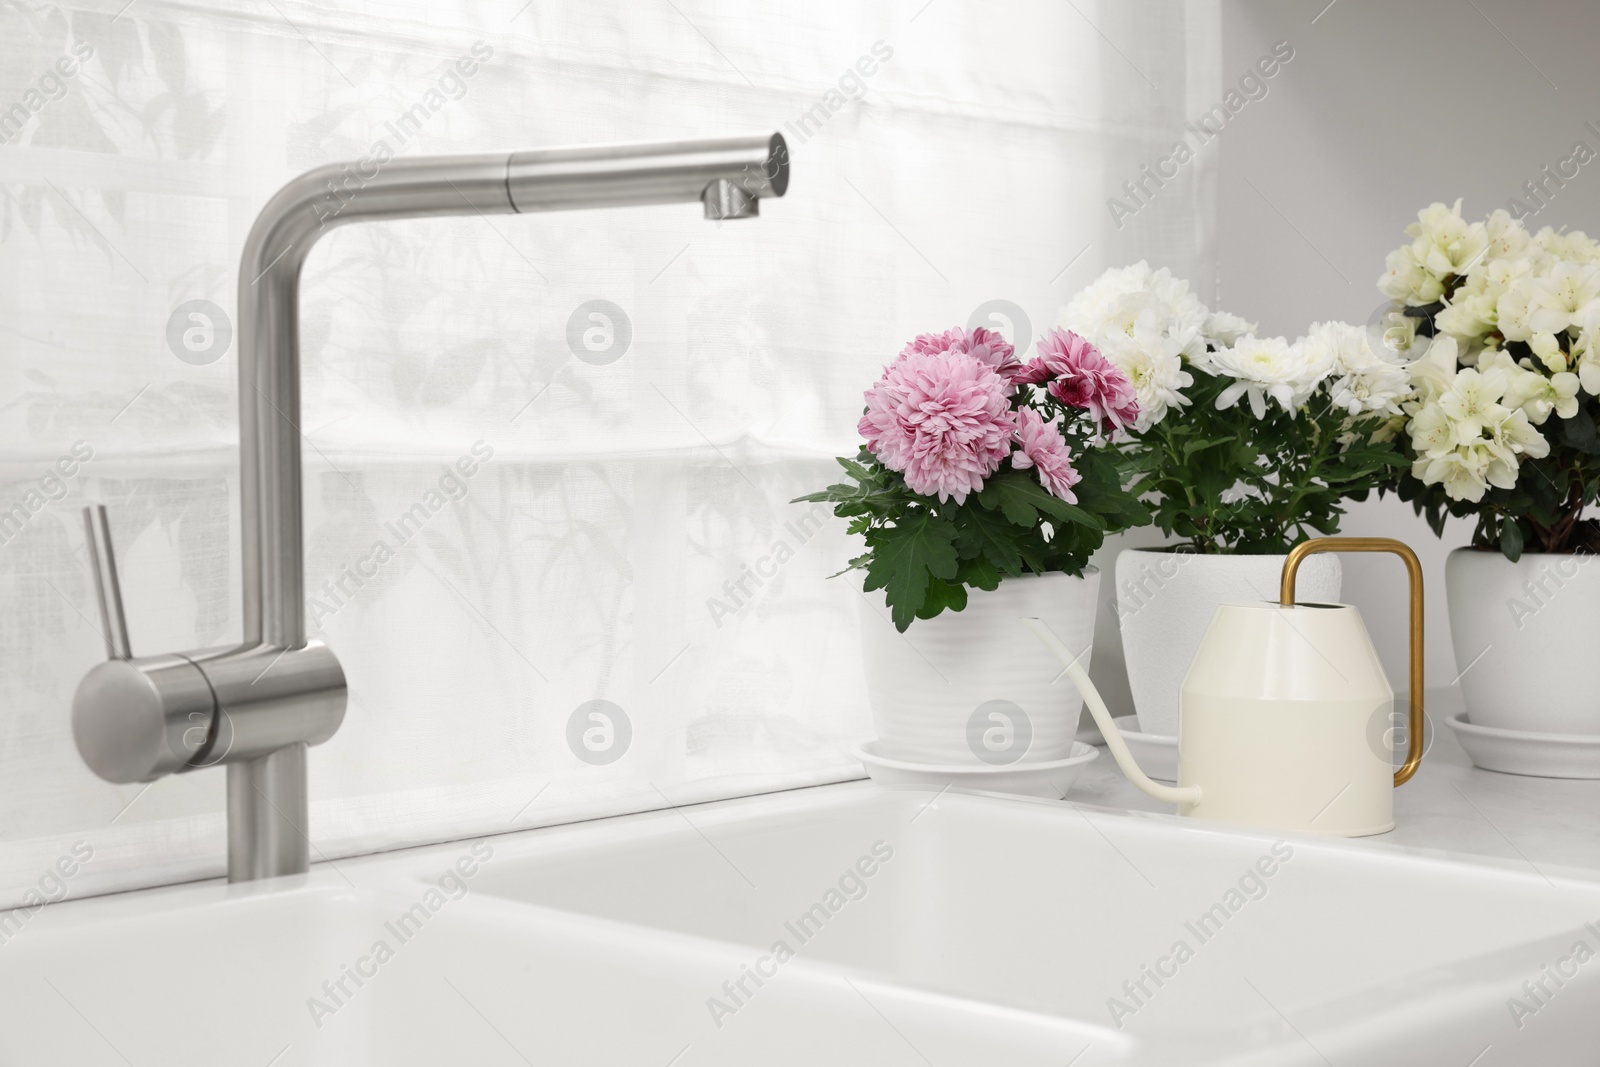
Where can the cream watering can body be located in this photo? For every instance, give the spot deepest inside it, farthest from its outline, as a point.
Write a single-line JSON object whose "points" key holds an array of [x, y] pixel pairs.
{"points": [[1284, 717]]}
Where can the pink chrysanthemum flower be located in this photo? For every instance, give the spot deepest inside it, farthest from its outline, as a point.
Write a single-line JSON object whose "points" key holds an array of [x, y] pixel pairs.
{"points": [[1080, 377], [983, 344], [1042, 446], [943, 420]]}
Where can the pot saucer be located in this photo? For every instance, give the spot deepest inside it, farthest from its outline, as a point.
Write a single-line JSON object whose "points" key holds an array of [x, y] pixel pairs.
{"points": [[1050, 780], [1156, 754], [1537, 755]]}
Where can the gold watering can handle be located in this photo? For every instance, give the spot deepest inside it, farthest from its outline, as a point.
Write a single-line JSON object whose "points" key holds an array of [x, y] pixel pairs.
{"points": [[1414, 570]]}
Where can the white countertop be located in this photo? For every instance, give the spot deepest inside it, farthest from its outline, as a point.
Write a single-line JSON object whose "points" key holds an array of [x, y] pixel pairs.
{"points": [[1449, 805]]}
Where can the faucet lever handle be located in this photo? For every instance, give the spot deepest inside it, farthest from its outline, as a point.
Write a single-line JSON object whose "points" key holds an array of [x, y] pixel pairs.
{"points": [[107, 589]]}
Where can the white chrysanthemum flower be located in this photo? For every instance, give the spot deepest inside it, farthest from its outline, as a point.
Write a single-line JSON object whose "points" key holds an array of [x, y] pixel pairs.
{"points": [[1363, 380], [1153, 361], [1120, 297], [1095, 301], [1271, 367], [1223, 329], [1184, 313]]}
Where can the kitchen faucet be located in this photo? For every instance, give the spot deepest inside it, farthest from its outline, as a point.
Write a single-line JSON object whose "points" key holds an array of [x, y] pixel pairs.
{"points": [[257, 706]]}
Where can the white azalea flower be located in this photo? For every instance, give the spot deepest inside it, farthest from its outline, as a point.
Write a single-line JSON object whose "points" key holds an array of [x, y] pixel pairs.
{"points": [[1515, 435], [1432, 374], [1573, 245], [1498, 461], [1404, 280], [1271, 367], [1473, 312], [1444, 243], [1461, 473], [1476, 409], [1547, 350], [1473, 401], [1514, 309], [1531, 392], [1508, 238], [1570, 292], [1431, 431], [1588, 362]]}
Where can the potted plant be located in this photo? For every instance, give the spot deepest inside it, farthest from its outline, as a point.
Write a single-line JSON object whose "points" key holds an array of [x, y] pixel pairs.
{"points": [[1245, 446], [983, 486], [1501, 430]]}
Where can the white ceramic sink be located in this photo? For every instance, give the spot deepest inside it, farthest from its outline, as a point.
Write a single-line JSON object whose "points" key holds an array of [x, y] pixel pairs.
{"points": [[947, 929]]}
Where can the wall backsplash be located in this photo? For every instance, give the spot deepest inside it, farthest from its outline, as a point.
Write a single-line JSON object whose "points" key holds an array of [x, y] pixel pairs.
{"points": [[541, 455]]}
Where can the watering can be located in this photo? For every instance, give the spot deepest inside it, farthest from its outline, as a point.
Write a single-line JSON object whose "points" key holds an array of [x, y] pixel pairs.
{"points": [[1284, 716]]}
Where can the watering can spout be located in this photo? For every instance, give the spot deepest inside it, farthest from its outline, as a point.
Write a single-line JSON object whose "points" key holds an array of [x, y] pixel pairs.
{"points": [[1187, 795]]}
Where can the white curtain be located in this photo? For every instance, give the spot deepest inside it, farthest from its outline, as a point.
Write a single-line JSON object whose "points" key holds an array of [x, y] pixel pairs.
{"points": [[624, 536]]}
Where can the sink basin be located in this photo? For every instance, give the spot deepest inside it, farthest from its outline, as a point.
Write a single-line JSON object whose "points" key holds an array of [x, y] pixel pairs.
{"points": [[1140, 937], [206, 977], [841, 925]]}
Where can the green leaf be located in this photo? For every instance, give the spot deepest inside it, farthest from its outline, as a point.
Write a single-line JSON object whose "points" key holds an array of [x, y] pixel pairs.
{"points": [[1018, 494], [1511, 540], [988, 536], [1579, 432], [980, 574], [856, 470], [942, 595], [906, 556], [1202, 444], [1016, 508]]}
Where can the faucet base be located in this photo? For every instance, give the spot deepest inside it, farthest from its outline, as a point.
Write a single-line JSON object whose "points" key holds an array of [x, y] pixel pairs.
{"points": [[268, 816]]}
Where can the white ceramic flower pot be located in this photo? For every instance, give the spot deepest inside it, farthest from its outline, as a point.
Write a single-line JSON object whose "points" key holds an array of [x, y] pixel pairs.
{"points": [[1165, 601], [974, 687], [1526, 637]]}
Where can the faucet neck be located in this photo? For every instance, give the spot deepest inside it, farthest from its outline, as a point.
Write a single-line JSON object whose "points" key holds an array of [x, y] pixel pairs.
{"points": [[728, 175], [270, 431]]}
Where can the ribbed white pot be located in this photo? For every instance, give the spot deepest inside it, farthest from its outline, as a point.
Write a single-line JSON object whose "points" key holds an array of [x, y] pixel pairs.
{"points": [[1165, 601], [976, 687], [1527, 638]]}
